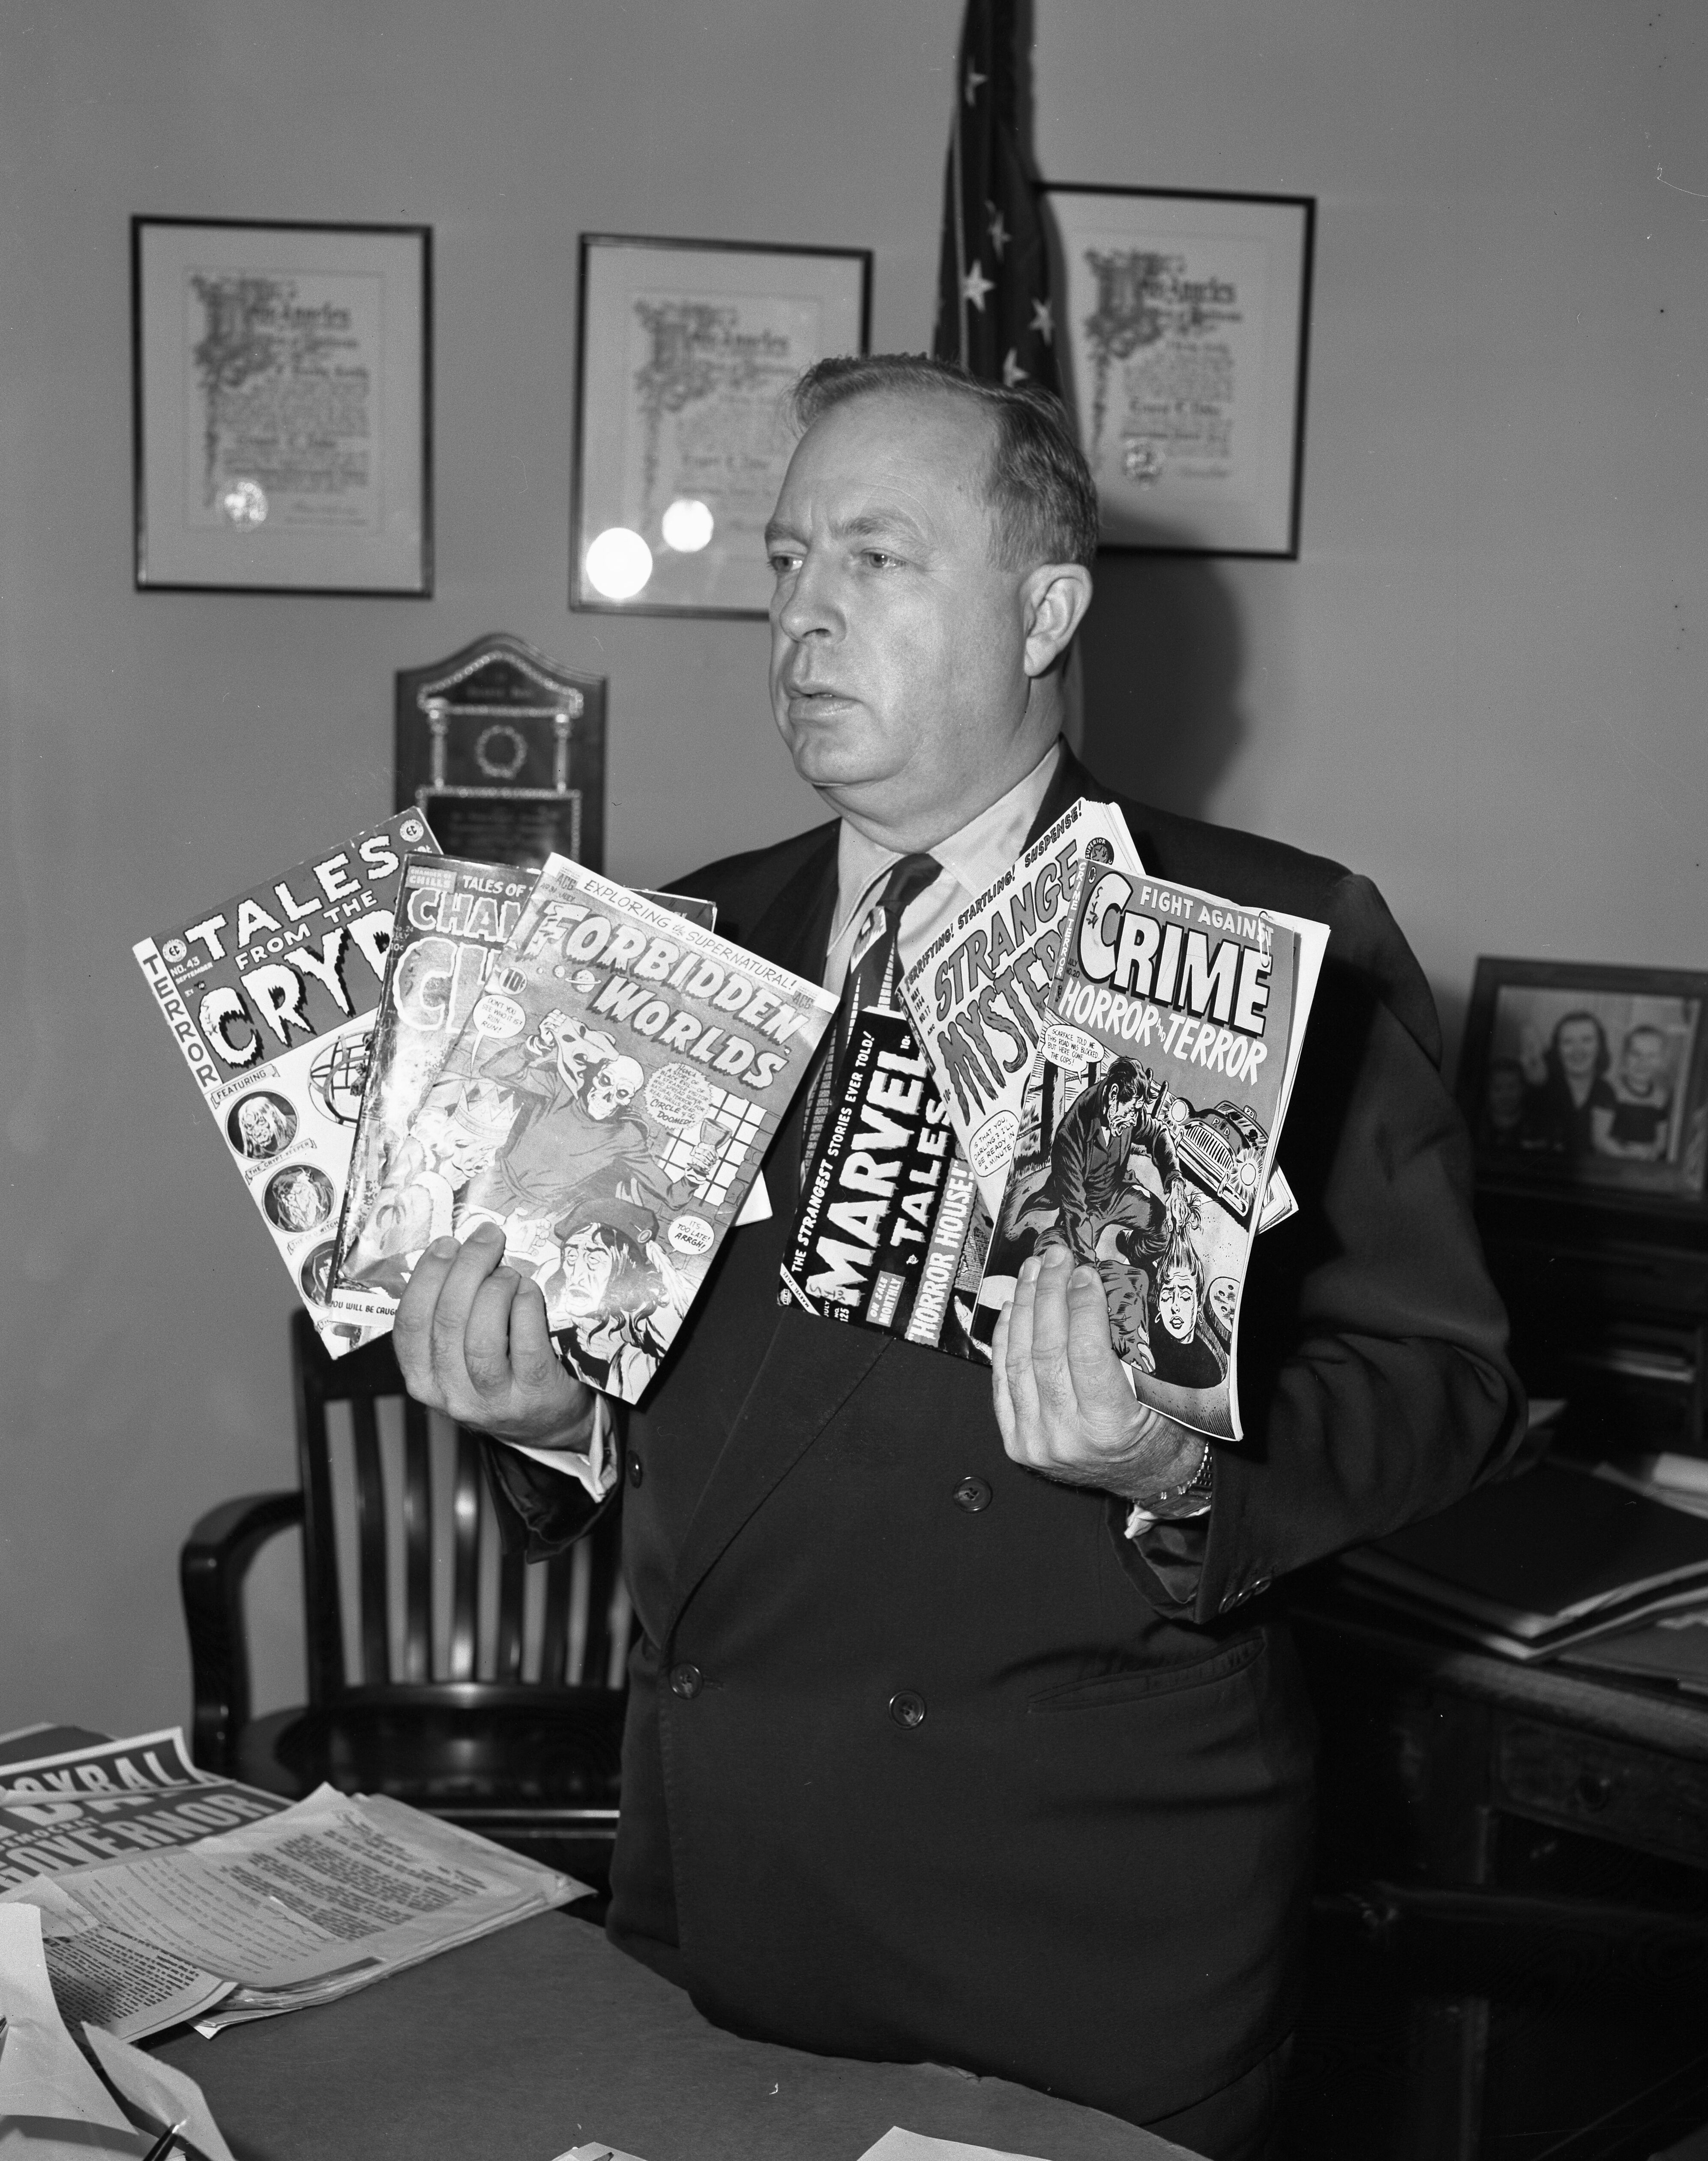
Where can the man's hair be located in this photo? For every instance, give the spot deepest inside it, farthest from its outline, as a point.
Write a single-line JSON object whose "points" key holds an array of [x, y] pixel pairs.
{"points": [[1121, 1081], [1037, 483]]}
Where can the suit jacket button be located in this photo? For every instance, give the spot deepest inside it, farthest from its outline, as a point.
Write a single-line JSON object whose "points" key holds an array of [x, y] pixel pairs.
{"points": [[907, 1709], [635, 1473], [972, 1494], [687, 1681]]}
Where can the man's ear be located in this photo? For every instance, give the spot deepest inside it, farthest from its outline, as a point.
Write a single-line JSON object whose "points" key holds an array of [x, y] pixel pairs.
{"points": [[1054, 597]]}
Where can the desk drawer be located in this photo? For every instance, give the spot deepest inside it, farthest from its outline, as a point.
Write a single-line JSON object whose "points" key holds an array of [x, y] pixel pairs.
{"points": [[1635, 1796]]}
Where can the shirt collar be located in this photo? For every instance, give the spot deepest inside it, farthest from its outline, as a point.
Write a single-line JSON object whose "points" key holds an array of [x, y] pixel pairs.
{"points": [[973, 857]]}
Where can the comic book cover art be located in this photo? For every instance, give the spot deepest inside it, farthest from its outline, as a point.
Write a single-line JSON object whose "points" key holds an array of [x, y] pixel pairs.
{"points": [[891, 1232], [977, 993], [452, 918], [607, 1103], [271, 999], [1149, 1121]]}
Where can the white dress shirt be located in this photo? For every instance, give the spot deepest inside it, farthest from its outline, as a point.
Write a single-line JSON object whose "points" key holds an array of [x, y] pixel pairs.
{"points": [[972, 859]]}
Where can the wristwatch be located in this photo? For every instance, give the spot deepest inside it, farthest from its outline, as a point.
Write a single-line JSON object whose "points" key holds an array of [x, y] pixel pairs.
{"points": [[1191, 1498]]}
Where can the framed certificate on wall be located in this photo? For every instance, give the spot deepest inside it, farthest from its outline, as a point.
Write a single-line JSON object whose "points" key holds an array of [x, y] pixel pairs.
{"points": [[688, 351], [1186, 320], [282, 386]]}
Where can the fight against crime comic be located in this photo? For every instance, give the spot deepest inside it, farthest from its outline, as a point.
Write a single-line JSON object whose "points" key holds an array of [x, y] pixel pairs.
{"points": [[1149, 1122], [891, 1232], [607, 1103], [271, 999], [452, 918], [978, 992]]}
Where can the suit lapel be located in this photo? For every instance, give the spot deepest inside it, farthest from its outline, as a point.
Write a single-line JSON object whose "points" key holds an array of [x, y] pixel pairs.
{"points": [[800, 1382]]}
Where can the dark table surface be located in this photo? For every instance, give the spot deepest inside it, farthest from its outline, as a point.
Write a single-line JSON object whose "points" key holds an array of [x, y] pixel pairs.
{"points": [[542, 2037]]}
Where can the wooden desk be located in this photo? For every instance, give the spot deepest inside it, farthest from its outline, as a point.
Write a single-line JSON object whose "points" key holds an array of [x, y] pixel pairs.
{"points": [[1548, 1834], [543, 2037]]}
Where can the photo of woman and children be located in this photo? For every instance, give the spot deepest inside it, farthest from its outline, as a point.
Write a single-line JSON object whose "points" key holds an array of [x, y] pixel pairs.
{"points": [[1577, 1081]]}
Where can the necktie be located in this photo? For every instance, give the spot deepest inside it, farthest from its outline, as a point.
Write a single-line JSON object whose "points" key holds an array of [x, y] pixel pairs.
{"points": [[870, 981]]}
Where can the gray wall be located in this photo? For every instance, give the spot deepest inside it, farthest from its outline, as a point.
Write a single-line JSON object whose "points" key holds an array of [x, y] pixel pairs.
{"points": [[1480, 682]]}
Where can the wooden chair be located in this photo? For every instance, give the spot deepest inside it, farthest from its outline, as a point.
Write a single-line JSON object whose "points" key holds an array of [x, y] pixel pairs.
{"points": [[470, 1684]]}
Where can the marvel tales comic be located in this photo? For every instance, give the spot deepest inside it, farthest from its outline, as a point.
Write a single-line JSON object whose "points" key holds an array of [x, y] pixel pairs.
{"points": [[1149, 1120], [271, 1000], [607, 1103], [890, 1231]]}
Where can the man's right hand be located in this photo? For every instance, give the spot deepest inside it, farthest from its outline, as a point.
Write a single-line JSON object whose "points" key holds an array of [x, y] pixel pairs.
{"points": [[471, 1341]]}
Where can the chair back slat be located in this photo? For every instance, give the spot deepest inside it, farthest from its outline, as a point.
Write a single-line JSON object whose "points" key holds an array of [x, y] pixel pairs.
{"points": [[324, 1630], [555, 1628], [397, 1501], [507, 1659], [466, 1554], [374, 1576], [417, 1545]]}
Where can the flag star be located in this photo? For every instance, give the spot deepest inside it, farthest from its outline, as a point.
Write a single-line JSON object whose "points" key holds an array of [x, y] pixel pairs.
{"points": [[1043, 322], [974, 285], [998, 232], [1013, 372], [974, 81]]}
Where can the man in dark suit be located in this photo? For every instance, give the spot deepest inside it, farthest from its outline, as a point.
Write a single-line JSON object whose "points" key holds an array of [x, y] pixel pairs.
{"points": [[960, 1726]]}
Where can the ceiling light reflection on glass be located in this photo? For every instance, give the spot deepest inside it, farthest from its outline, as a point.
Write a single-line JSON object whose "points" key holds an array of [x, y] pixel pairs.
{"points": [[687, 525], [619, 563]]}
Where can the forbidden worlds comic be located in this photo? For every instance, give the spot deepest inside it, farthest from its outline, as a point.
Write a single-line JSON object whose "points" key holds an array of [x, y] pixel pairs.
{"points": [[891, 1232], [1149, 1121], [607, 1103], [271, 998]]}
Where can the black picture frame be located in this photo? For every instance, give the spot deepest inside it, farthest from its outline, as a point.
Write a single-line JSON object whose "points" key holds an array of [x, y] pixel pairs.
{"points": [[1560, 1102], [1211, 461], [357, 301], [782, 285]]}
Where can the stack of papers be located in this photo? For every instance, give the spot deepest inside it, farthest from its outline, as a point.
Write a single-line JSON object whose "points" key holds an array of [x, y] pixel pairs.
{"points": [[166, 1895], [49, 2093]]}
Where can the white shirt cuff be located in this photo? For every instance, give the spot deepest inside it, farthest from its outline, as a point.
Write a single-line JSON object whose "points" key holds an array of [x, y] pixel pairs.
{"points": [[594, 1463]]}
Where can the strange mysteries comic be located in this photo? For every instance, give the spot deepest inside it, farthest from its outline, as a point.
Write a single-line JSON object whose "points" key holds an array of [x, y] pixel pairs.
{"points": [[977, 993], [271, 999], [614, 1089], [452, 918], [891, 1232], [1149, 1122]]}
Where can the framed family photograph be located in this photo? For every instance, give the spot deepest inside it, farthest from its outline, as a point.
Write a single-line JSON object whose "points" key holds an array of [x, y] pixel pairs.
{"points": [[1186, 320], [281, 387], [687, 349], [1588, 1076]]}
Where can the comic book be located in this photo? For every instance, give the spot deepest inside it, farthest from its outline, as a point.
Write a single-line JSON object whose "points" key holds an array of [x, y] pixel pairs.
{"points": [[1149, 1122], [271, 999], [452, 918], [977, 993], [613, 1092], [891, 1232]]}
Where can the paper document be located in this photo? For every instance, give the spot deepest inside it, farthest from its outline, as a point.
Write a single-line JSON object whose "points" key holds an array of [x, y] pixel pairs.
{"points": [[915, 2146]]}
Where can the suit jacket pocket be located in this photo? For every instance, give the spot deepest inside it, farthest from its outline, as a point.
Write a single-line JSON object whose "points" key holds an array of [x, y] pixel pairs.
{"points": [[1131, 1683]]}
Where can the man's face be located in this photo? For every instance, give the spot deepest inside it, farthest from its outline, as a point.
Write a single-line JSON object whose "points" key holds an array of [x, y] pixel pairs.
{"points": [[586, 1273], [1177, 1304], [897, 646], [1121, 1113]]}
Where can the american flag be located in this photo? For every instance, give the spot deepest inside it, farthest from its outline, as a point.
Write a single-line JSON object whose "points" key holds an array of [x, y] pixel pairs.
{"points": [[993, 307]]}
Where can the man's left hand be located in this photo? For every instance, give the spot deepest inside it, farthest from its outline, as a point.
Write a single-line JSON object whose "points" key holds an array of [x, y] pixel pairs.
{"points": [[1062, 1399]]}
